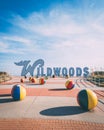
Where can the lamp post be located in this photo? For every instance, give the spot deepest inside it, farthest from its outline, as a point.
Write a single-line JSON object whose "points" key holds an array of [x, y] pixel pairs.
{"points": [[101, 69], [92, 74], [99, 76], [96, 75]]}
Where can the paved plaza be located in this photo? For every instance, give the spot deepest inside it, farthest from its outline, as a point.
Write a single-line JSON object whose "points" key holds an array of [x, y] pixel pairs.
{"points": [[50, 106]]}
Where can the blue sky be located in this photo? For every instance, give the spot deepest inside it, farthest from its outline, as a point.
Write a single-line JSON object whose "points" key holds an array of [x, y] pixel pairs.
{"points": [[62, 32]]}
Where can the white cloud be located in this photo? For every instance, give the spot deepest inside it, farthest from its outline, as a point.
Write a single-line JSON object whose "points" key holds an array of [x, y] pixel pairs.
{"points": [[17, 39], [52, 25], [8, 50], [60, 37], [3, 46]]}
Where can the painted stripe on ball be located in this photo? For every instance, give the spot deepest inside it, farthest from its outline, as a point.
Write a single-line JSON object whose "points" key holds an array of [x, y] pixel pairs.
{"points": [[92, 99], [16, 92], [67, 82], [22, 93], [83, 99]]}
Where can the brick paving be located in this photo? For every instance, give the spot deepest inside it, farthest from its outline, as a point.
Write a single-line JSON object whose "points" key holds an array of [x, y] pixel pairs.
{"points": [[51, 92], [47, 124], [12, 83], [45, 92], [43, 124]]}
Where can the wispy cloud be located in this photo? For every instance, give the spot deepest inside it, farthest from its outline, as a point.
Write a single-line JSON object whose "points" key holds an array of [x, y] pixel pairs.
{"points": [[17, 39], [3, 45], [60, 34], [52, 25]]}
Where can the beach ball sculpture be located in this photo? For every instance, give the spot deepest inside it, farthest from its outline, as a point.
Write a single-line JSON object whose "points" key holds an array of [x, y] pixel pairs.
{"points": [[30, 79], [18, 92], [69, 84], [87, 99], [21, 80], [41, 81], [33, 80]]}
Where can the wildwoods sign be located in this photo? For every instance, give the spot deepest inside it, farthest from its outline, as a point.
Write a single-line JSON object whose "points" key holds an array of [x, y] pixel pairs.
{"points": [[38, 69]]}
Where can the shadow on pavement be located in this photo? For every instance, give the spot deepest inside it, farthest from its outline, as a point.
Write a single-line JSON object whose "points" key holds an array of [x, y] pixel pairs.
{"points": [[32, 84], [6, 100], [63, 111], [58, 89], [4, 95]]}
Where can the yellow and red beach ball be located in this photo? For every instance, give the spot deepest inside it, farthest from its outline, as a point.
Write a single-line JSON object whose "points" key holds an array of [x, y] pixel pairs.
{"points": [[21, 80], [30, 79], [69, 84], [18, 92], [87, 99], [33, 80], [41, 81]]}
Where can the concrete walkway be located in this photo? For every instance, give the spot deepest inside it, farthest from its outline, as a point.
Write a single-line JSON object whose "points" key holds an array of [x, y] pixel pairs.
{"points": [[48, 106]]}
